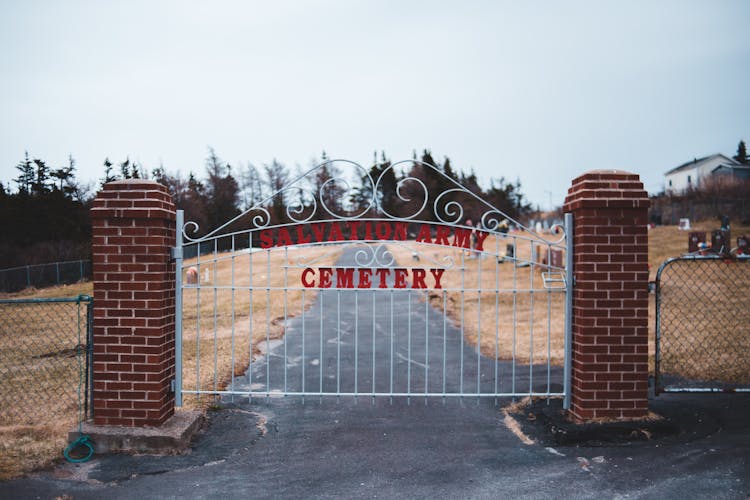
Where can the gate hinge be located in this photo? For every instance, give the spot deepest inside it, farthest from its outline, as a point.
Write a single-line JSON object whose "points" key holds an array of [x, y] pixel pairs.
{"points": [[172, 385], [175, 253]]}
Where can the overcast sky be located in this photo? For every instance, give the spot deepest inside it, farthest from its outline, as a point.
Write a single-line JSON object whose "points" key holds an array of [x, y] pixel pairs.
{"points": [[539, 90]]}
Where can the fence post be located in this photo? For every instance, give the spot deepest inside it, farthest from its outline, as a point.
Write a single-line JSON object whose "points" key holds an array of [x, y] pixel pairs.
{"points": [[134, 286], [610, 298]]}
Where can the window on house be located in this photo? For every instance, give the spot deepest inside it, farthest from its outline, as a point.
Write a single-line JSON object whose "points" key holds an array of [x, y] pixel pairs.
{"points": [[689, 180], [670, 183]]}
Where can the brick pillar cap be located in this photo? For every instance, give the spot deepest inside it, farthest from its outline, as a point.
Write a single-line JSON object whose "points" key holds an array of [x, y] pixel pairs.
{"points": [[128, 184], [133, 198], [606, 188]]}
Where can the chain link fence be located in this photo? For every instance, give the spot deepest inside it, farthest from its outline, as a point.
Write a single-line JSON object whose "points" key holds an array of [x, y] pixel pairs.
{"points": [[45, 352], [703, 324], [14, 279]]}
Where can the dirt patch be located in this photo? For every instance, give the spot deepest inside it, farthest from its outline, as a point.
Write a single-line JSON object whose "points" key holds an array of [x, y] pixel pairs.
{"points": [[545, 421]]}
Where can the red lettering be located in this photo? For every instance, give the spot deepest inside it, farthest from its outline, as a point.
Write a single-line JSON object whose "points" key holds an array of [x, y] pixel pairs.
{"points": [[335, 234], [383, 230], [424, 235], [383, 274], [418, 280], [325, 277], [437, 274], [481, 236], [442, 235], [400, 231], [462, 238], [345, 277], [301, 236], [400, 278], [305, 283], [364, 278], [266, 240], [353, 230], [368, 231], [318, 229], [284, 238]]}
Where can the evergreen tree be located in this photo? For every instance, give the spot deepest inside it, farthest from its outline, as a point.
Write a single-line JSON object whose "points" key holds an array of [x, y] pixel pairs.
{"points": [[326, 191], [277, 176], [40, 186], [25, 179], [125, 172], [108, 175], [221, 191], [65, 176], [741, 155]]}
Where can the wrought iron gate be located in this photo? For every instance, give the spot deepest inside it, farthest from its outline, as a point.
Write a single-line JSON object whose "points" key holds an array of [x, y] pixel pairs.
{"points": [[337, 295]]}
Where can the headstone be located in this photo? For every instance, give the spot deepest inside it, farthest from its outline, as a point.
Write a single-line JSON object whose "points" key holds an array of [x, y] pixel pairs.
{"points": [[684, 225], [721, 241], [694, 241], [743, 245]]}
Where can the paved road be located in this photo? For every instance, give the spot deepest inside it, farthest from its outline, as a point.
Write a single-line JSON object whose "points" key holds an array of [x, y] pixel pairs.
{"points": [[281, 448]]}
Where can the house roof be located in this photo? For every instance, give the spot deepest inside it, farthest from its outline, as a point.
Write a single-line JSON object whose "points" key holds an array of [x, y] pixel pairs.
{"points": [[700, 161], [732, 167]]}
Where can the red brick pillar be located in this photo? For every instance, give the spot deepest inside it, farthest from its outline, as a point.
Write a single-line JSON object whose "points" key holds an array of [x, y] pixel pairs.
{"points": [[134, 286], [610, 298]]}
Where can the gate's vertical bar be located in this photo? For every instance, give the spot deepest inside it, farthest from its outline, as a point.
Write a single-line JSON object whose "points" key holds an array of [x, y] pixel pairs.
{"points": [[286, 286], [515, 329], [497, 310], [180, 218], [426, 345], [569, 282], [391, 367], [216, 314], [478, 256], [198, 324], [268, 324], [408, 353], [303, 346], [57, 272], [463, 287], [549, 322], [338, 345], [233, 315], [250, 320], [532, 270], [320, 335], [373, 345], [356, 343], [445, 338]]}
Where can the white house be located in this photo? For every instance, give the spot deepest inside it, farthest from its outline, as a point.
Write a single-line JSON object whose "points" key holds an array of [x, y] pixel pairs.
{"points": [[693, 174]]}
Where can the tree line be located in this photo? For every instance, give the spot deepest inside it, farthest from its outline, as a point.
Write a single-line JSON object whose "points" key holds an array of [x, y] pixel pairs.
{"points": [[46, 217]]}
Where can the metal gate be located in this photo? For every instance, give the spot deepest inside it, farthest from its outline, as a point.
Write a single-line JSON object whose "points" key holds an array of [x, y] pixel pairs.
{"points": [[344, 283], [703, 324]]}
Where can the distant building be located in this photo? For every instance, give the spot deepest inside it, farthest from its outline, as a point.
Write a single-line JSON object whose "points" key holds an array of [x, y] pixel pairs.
{"points": [[694, 174]]}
